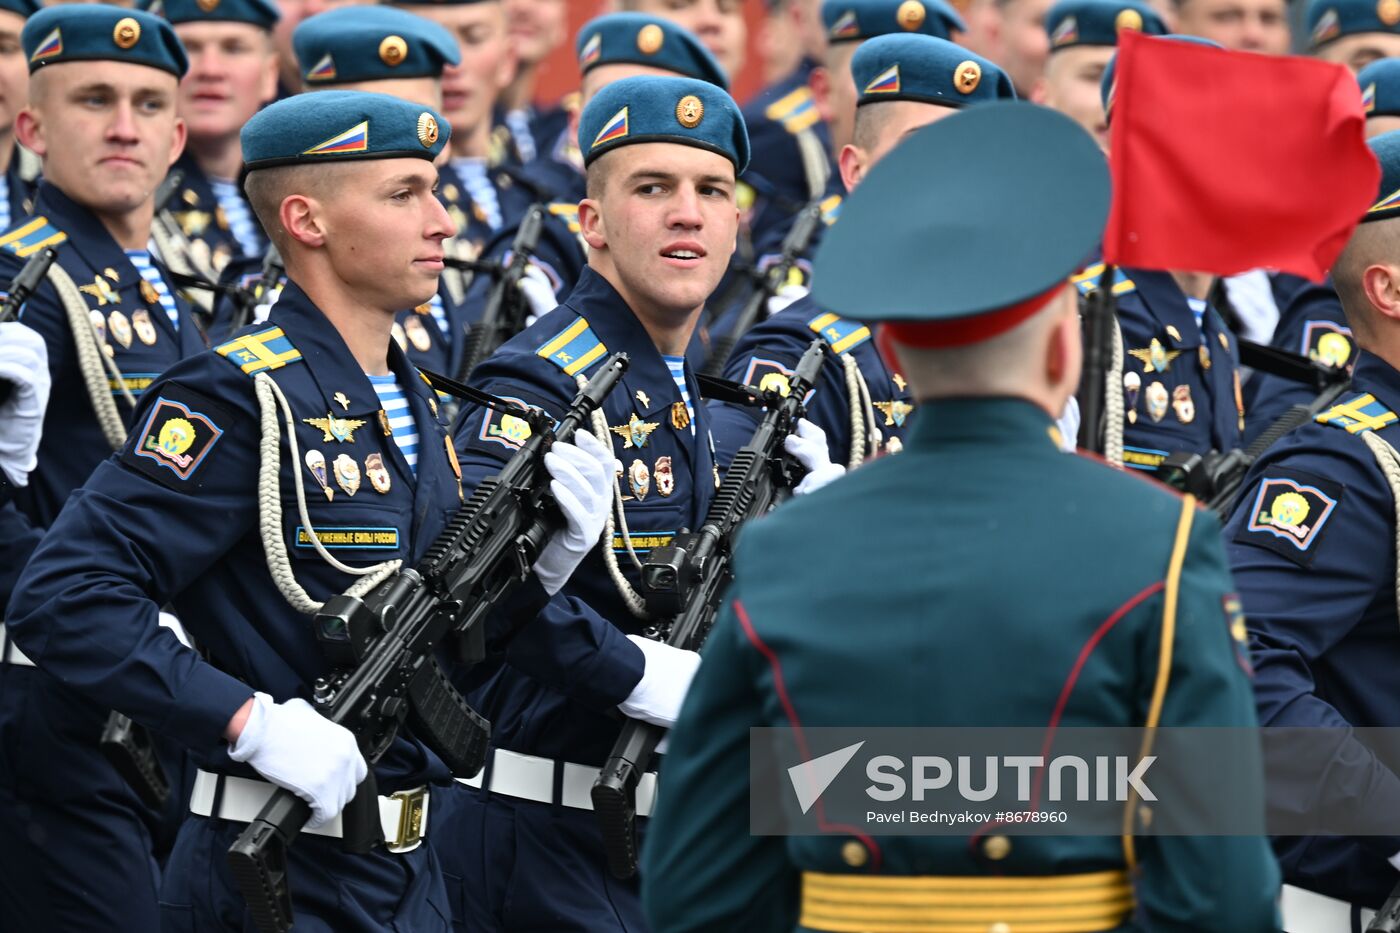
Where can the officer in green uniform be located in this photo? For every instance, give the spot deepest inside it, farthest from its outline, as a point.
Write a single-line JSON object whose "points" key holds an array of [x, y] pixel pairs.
{"points": [[822, 630]]}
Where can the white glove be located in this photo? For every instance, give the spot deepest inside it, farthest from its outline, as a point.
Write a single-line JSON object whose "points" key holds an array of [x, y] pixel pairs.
{"points": [[581, 478], [539, 293], [263, 309], [658, 695], [24, 364], [1068, 424], [808, 445], [295, 747], [786, 295]]}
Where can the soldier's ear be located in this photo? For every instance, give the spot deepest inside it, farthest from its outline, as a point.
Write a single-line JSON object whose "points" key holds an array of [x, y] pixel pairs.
{"points": [[29, 130], [1381, 282], [300, 218], [590, 222], [177, 146], [853, 163]]}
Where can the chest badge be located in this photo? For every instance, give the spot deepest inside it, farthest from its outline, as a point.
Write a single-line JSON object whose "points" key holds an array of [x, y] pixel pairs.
{"points": [[342, 400], [680, 416], [148, 293], [639, 479], [1157, 401], [341, 430], [378, 474], [120, 328], [347, 474], [102, 291], [899, 382], [643, 399], [665, 476], [145, 330], [316, 463], [1155, 358], [895, 412], [634, 433], [1182, 404]]}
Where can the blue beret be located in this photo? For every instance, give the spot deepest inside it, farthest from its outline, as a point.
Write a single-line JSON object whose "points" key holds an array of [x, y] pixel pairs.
{"points": [[85, 32], [25, 8], [637, 39], [262, 13], [1380, 88], [667, 110], [1106, 85], [1332, 19], [925, 69], [333, 126], [923, 239], [1098, 22], [371, 43], [855, 20], [1387, 151]]}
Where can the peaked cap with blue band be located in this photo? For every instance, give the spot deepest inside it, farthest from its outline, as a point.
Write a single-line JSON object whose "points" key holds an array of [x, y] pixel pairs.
{"points": [[1380, 88], [25, 8], [1332, 19], [371, 43], [638, 39], [857, 20], [89, 32], [1098, 22], [1387, 151], [664, 110], [1106, 87], [263, 13], [335, 126], [925, 69], [923, 239]]}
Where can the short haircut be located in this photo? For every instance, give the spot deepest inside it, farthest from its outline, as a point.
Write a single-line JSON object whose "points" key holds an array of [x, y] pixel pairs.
{"points": [[871, 120], [267, 188], [1374, 243]]}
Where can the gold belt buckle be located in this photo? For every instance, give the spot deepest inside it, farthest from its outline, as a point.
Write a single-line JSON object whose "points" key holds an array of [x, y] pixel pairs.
{"points": [[413, 804]]}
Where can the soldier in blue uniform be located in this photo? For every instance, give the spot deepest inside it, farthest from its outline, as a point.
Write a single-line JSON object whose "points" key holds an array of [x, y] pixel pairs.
{"points": [[609, 48], [862, 405], [233, 72], [663, 154], [391, 51], [991, 353], [1354, 33], [1312, 548], [71, 829], [302, 458], [19, 168], [537, 28], [1178, 376]]}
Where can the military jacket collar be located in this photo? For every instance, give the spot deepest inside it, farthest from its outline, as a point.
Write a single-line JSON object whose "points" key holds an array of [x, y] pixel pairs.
{"points": [[1167, 303], [1374, 375], [993, 421]]}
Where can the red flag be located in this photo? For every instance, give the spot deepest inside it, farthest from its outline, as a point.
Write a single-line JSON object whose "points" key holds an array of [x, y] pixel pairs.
{"points": [[1228, 161]]}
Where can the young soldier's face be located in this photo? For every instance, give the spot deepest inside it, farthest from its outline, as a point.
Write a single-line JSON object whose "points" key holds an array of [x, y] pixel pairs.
{"points": [[469, 90], [107, 131], [384, 228], [1072, 86], [233, 72], [536, 27], [666, 219], [14, 71], [719, 24], [1358, 51], [1240, 25]]}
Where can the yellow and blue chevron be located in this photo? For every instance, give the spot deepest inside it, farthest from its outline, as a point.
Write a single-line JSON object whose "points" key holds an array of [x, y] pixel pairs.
{"points": [[259, 352], [574, 348], [1088, 280], [843, 335], [31, 236], [1358, 415]]}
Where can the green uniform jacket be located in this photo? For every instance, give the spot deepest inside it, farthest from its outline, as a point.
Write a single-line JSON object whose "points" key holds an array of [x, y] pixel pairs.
{"points": [[958, 583]]}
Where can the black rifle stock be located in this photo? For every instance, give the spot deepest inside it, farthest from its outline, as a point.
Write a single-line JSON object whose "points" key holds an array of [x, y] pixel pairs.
{"points": [[246, 299], [382, 648], [795, 244], [1099, 309], [684, 583], [506, 308]]}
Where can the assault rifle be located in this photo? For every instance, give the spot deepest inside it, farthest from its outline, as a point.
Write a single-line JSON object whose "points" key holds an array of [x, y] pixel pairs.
{"points": [[683, 584], [506, 307], [795, 245], [382, 648]]}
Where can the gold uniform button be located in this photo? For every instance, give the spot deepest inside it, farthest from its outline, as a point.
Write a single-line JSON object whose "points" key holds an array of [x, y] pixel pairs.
{"points": [[854, 854], [996, 848], [1001, 926]]}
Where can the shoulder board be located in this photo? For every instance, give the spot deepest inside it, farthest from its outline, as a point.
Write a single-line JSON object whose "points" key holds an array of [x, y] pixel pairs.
{"points": [[843, 335], [31, 236], [573, 348], [831, 209], [259, 352], [1358, 414], [1088, 280], [566, 212], [796, 111]]}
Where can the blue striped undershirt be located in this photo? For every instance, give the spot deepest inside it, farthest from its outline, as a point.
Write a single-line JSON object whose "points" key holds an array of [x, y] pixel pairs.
{"points": [[4, 202], [440, 315], [401, 422], [141, 259], [1198, 308], [480, 188], [676, 364], [239, 216]]}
